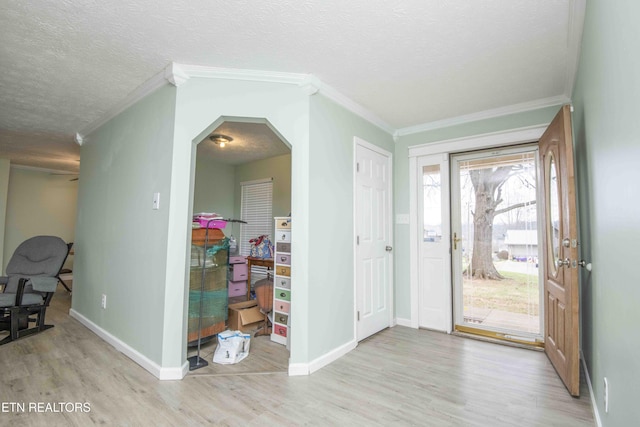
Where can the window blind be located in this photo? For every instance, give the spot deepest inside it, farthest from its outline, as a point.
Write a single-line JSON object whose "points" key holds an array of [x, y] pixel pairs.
{"points": [[256, 209]]}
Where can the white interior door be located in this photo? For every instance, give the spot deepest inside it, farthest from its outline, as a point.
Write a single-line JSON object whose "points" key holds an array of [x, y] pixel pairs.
{"points": [[434, 290], [373, 240]]}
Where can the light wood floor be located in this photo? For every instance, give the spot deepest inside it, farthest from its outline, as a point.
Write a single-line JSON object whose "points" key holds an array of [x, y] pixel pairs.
{"points": [[398, 377]]}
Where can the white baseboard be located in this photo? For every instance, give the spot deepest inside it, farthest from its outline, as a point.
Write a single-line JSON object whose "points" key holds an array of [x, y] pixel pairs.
{"points": [[596, 414], [403, 322], [298, 369], [322, 361], [162, 373]]}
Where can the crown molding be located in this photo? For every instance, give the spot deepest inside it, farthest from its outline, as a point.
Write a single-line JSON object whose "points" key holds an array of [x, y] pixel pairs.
{"points": [[146, 88], [239, 74], [175, 74], [178, 74], [487, 114], [574, 43], [346, 102], [310, 88], [307, 82]]}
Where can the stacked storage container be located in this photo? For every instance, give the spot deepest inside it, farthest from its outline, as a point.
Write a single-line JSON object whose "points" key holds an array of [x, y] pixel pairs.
{"points": [[282, 282]]}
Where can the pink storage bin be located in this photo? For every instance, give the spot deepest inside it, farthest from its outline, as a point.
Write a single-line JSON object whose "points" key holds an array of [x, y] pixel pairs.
{"points": [[215, 223]]}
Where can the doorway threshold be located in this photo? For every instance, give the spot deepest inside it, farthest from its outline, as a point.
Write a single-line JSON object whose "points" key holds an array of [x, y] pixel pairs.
{"points": [[497, 338]]}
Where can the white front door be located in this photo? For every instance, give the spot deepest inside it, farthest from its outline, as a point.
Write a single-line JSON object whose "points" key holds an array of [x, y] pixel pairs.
{"points": [[430, 280], [434, 291], [373, 239]]}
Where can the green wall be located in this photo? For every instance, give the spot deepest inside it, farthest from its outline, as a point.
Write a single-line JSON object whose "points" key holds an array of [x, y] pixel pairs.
{"points": [[121, 243], [202, 104], [39, 203], [401, 165], [607, 148], [137, 256], [331, 278], [213, 187]]}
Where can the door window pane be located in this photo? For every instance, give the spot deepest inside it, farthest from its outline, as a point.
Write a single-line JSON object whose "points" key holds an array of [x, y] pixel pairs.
{"points": [[553, 214], [432, 229]]}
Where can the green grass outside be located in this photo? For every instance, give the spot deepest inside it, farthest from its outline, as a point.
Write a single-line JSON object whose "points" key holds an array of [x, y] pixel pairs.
{"points": [[517, 293]]}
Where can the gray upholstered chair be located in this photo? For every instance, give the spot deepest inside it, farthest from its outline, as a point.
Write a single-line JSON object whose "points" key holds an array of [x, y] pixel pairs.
{"points": [[29, 285]]}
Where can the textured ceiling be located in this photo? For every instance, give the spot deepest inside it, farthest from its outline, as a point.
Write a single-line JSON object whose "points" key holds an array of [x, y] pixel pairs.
{"points": [[65, 63], [251, 141]]}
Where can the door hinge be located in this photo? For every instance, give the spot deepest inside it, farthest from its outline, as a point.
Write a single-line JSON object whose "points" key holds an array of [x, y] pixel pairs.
{"points": [[358, 315], [358, 167], [357, 240]]}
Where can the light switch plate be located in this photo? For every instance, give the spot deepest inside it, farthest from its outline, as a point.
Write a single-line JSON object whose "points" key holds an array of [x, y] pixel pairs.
{"points": [[402, 218]]}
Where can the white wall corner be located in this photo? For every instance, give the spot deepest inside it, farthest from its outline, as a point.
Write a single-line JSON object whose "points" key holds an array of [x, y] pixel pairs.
{"points": [[175, 74], [160, 372], [331, 356], [178, 373], [79, 139], [298, 369]]}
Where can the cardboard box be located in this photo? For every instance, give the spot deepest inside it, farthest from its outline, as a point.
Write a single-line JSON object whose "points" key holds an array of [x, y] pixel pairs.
{"points": [[245, 316]]}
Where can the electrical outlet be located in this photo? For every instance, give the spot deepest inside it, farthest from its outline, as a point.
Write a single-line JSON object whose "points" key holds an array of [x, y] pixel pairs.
{"points": [[606, 395], [103, 301]]}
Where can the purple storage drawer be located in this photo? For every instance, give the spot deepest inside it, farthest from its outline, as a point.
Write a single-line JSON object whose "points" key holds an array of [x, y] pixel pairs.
{"points": [[237, 289], [238, 272], [237, 259]]}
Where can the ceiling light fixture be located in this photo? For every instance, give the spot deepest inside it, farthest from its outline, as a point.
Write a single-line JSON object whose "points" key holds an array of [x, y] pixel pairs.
{"points": [[220, 139]]}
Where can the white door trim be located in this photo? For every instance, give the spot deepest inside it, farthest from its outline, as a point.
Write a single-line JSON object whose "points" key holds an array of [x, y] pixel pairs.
{"points": [[475, 142], [361, 142]]}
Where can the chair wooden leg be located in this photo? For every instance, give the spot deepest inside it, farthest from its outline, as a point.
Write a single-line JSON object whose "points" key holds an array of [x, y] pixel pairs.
{"points": [[6, 340], [19, 324], [40, 320], [15, 323]]}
